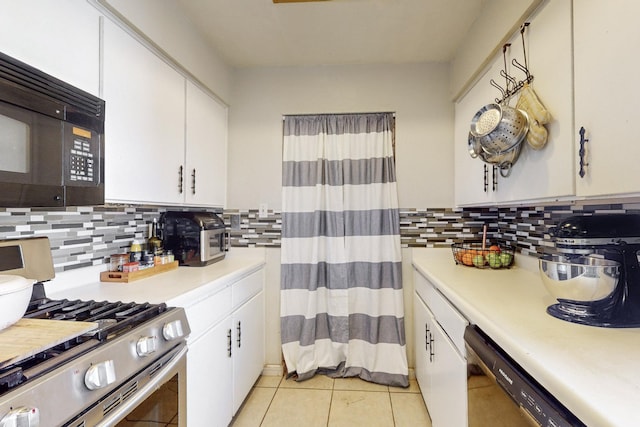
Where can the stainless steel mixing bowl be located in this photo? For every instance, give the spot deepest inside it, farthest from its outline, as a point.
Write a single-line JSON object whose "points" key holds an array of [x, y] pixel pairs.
{"points": [[580, 279]]}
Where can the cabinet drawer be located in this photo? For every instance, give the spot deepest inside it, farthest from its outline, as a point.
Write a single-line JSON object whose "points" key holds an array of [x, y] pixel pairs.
{"points": [[247, 287], [449, 318], [208, 312]]}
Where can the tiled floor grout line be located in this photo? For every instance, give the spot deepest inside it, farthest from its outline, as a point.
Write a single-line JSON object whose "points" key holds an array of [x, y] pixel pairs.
{"points": [[333, 387], [391, 406], [283, 386]]}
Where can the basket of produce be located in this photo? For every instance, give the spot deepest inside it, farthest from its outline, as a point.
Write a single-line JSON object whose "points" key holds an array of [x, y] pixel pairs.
{"points": [[483, 256]]}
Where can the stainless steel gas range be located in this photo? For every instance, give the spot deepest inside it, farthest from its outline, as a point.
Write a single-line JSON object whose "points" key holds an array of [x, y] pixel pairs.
{"points": [[98, 378]]}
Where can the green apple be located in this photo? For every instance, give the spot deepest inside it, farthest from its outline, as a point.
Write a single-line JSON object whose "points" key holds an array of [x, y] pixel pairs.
{"points": [[506, 258], [494, 260], [478, 261]]}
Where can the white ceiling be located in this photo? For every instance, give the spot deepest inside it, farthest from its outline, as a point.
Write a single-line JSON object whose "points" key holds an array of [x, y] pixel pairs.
{"points": [[255, 33]]}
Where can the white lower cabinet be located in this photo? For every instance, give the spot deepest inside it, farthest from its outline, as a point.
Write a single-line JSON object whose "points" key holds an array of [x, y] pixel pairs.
{"points": [[441, 367], [226, 351], [248, 348], [210, 378]]}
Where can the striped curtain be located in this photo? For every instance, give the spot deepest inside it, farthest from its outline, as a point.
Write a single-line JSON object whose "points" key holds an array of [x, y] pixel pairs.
{"points": [[342, 311]]}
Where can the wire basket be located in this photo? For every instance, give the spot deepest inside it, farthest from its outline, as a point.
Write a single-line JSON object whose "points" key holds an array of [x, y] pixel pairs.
{"points": [[494, 256]]}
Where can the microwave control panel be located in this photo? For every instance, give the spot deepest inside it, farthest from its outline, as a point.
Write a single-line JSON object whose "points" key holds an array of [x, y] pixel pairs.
{"points": [[82, 157]]}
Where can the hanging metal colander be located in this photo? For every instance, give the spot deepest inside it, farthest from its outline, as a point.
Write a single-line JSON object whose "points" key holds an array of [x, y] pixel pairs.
{"points": [[499, 128]]}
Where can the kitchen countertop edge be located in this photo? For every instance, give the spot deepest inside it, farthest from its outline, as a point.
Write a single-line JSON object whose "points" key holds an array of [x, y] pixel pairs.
{"points": [[510, 306], [181, 287]]}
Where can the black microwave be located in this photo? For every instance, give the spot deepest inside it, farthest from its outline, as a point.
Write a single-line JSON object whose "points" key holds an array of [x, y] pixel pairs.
{"points": [[51, 140]]}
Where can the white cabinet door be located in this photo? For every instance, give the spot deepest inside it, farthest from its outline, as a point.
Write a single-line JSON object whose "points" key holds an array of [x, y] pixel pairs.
{"points": [[448, 380], [422, 364], [248, 347], [607, 100], [209, 378], [61, 38], [145, 122], [206, 149], [474, 179], [545, 173], [537, 174]]}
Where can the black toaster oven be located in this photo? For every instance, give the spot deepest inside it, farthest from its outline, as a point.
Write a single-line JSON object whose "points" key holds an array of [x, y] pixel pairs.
{"points": [[196, 238]]}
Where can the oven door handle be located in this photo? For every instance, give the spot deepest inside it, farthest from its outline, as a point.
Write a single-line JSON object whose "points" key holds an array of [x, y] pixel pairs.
{"points": [[144, 392]]}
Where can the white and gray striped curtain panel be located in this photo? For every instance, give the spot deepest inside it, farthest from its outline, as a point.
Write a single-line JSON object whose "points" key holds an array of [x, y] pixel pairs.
{"points": [[342, 310]]}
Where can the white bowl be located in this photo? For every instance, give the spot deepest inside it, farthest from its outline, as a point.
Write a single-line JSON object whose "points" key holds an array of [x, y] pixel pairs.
{"points": [[581, 279], [15, 294]]}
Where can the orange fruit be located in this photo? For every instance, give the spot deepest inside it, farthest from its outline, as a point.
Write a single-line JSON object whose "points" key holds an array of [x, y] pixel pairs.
{"points": [[467, 258]]}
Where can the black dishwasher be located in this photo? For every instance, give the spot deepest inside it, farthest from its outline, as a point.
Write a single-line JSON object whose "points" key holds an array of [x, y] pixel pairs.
{"points": [[501, 393]]}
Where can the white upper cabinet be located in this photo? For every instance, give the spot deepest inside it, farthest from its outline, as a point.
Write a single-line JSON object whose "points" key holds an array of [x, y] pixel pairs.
{"points": [[61, 38], [144, 129], [537, 174], [474, 179], [166, 139], [607, 98], [206, 149]]}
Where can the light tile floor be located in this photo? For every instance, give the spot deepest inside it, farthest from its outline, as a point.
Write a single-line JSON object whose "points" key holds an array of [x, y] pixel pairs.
{"points": [[328, 402]]}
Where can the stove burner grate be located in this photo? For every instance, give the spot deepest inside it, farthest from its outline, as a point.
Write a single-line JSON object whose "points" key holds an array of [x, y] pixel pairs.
{"points": [[112, 317]]}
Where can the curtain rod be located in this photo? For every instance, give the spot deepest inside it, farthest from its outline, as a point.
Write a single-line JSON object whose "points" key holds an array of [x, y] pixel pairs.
{"points": [[339, 114]]}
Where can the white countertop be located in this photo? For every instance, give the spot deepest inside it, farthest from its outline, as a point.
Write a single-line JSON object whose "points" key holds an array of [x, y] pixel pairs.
{"points": [[593, 371], [181, 287]]}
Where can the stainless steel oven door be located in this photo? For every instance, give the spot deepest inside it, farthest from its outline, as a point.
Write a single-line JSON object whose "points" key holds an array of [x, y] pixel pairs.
{"points": [[158, 393]]}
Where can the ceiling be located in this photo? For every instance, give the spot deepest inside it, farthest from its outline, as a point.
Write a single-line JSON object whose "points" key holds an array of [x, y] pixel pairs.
{"points": [[259, 33]]}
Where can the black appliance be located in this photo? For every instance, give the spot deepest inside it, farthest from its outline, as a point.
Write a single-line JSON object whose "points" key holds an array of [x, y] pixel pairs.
{"points": [[612, 236], [195, 238], [51, 140], [97, 378], [500, 392]]}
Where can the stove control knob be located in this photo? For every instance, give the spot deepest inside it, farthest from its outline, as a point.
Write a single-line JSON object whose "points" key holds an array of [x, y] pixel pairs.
{"points": [[100, 375], [23, 416], [172, 330], [146, 346]]}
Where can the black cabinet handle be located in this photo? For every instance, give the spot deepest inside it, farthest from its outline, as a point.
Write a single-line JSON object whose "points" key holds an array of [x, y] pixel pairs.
{"points": [[486, 178], [180, 179], [239, 340], [426, 336], [229, 343], [431, 352], [582, 152], [495, 178], [193, 181]]}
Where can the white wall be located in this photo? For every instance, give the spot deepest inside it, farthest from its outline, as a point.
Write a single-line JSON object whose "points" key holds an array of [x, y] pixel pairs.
{"points": [[418, 93]]}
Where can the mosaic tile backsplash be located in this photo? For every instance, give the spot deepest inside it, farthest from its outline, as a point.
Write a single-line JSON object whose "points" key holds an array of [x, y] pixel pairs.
{"points": [[86, 236]]}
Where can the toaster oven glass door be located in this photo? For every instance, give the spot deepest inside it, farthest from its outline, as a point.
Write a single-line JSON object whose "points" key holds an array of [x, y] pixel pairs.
{"points": [[213, 244]]}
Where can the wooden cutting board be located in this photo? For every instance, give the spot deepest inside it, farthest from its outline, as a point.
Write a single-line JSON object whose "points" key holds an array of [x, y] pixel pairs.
{"points": [[31, 336]]}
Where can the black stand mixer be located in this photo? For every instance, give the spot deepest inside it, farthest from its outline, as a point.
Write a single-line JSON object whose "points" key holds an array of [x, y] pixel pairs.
{"points": [[613, 237]]}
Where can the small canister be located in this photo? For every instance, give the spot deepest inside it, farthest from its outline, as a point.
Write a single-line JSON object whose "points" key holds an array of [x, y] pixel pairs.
{"points": [[117, 261], [131, 266], [135, 253], [147, 260]]}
